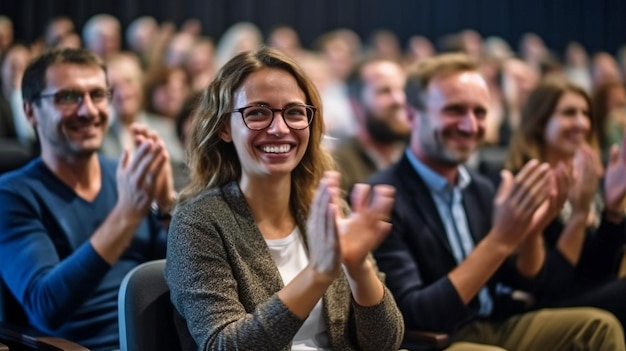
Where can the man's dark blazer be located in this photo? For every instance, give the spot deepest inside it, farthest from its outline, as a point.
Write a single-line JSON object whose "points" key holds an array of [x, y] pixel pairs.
{"points": [[416, 255]]}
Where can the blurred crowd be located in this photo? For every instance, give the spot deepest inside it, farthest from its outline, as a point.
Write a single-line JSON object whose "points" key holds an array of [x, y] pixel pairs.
{"points": [[157, 71], [390, 110]]}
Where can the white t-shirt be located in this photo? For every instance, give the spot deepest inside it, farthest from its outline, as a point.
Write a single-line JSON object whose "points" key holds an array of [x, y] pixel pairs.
{"points": [[291, 258]]}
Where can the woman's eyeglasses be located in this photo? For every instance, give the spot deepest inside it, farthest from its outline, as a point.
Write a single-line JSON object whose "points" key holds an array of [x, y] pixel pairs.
{"points": [[259, 117]]}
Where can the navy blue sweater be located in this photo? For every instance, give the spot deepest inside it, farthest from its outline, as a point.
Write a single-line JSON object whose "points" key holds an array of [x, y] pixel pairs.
{"points": [[47, 262]]}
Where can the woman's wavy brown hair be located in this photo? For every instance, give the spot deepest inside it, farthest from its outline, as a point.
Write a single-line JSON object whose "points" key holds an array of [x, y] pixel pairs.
{"points": [[213, 162], [528, 140]]}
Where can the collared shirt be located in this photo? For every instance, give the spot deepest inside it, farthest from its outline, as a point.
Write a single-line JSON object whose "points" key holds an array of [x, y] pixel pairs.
{"points": [[449, 201]]}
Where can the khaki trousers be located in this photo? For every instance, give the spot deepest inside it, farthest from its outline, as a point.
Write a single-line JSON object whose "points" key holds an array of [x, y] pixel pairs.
{"points": [[575, 329]]}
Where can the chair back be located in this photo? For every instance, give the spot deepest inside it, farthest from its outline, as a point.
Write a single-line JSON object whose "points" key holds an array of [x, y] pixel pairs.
{"points": [[10, 309], [146, 315]]}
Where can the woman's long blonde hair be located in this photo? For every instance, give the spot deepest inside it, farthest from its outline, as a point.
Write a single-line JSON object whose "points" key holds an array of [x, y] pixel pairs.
{"points": [[213, 162]]}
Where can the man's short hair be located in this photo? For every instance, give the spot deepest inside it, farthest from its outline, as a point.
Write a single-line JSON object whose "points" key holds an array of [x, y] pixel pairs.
{"points": [[435, 67], [356, 83], [34, 79]]}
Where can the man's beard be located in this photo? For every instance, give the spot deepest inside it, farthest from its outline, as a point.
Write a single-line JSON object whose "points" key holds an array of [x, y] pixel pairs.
{"points": [[381, 131], [445, 154]]}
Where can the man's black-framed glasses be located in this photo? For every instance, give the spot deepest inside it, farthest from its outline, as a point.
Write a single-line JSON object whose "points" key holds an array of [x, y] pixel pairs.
{"points": [[259, 117], [73, 98]]}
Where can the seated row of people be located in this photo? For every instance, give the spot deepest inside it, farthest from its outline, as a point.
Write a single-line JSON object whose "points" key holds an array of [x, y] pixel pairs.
{"points": [[263, 252]]}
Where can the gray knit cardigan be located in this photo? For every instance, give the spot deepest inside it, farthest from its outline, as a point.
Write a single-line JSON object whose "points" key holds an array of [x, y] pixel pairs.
{"points": [[224, 282]]}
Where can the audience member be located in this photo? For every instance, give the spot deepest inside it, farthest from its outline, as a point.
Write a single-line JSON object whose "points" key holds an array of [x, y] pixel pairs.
{"points": [[495, 123], [340, 51], [448, 259], [11, 71], [177, 49], [621, 59], [167, 88], [379, 100], [102, 35], [192, 26], [418, 48], [200, 63], [184, 120], [238, 38], [142, 37], [609, 110], [585, 243], [259, 256], [287, 40], [518, 80], [126, 77], [577, 65], [77, 221], [533, 51], [57, 30], [384, 44], [6, 33], [472, 43], [604, 68]]}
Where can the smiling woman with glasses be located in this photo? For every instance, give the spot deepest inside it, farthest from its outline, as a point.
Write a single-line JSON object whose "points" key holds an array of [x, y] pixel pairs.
{"points": [[260, 256]]}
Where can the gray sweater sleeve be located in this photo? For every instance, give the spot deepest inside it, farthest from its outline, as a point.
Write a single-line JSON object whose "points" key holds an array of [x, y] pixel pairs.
{"points": [[204, 290], [223, 282]]}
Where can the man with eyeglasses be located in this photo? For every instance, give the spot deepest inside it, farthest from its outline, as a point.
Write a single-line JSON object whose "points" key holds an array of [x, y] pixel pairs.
{"points": [[73, 223]]}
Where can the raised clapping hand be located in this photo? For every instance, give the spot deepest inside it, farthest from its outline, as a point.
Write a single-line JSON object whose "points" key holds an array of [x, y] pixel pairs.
{"points": [[145, 176], [335, 238], [560, 184], [324, 250], [586, 175], [165, 193], [615, 179], [518, 199], [366, 226]]}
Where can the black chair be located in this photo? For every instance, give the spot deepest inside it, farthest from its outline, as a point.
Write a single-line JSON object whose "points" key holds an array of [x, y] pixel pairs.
{"points": [[15, 335], [418, 340], [13, 155], [146, 315]]}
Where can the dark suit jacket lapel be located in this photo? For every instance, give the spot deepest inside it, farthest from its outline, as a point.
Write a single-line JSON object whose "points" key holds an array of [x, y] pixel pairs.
{"points": [[419, 194], [478, 216]]}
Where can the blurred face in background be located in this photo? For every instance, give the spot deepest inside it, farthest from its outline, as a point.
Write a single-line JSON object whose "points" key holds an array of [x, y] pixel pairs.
{"points": [[125, 77], [13, 67], [201, 57], [340, 58], [384, 101], [569, 126], [57, 30], [168, 99], [105, 39], [616, 98], [6, 33], [286, 40]]}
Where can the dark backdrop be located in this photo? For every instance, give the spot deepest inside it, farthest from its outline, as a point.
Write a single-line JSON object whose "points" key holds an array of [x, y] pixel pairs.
{"points": [[597, 24]]}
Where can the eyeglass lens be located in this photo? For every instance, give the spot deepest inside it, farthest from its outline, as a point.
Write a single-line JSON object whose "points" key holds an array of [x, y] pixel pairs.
{"points": [[260, 117]]}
